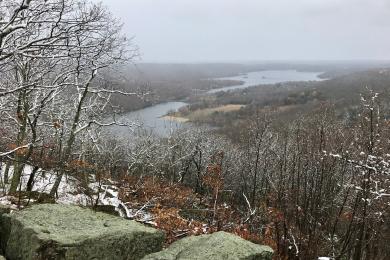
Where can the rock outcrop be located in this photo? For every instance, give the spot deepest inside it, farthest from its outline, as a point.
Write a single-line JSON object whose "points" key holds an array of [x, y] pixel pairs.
{"points": [[3, 210], [217, 246], [61, 232]]}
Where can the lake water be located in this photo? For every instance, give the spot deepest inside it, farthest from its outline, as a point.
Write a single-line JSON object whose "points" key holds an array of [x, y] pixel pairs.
{"points": [[269, 77], [150, 118]]}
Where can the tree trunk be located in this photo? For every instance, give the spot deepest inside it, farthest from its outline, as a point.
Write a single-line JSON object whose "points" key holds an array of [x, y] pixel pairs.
{"points": [[6, 172], [72, 137], [30, 182]]}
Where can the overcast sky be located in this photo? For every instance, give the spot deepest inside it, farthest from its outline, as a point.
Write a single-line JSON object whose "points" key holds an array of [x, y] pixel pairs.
{"points": [[254, 30]]}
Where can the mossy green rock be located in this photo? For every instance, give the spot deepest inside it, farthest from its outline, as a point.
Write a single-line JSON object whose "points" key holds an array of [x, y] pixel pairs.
{"points": [[4, 209], [3, 228], [217, 246], [61, 232]]}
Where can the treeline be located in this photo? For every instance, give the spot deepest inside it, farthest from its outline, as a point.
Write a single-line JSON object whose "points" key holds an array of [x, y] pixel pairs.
{"points": [[168, 82], [341, 89], [158, 89], [290, 99]]}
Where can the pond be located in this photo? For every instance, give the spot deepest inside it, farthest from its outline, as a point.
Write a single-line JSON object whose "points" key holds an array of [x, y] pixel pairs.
{"points": [[150, 118]]}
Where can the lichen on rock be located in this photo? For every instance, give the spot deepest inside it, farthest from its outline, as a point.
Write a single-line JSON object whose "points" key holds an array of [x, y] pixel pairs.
{"points": [[52, 231], [3, 228], [217, 246]]}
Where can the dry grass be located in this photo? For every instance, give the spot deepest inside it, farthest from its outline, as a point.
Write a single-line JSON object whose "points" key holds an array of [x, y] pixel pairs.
{"points": [[176, 119], [202, 113], [226, 108]]}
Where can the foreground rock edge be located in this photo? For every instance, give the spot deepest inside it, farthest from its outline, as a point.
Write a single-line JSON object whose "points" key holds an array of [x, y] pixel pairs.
{"points": [[217, 246], [52, 231]]}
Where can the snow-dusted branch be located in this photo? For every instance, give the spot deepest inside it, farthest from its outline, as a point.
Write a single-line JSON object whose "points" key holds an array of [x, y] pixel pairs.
{"points": [[15, 150]]}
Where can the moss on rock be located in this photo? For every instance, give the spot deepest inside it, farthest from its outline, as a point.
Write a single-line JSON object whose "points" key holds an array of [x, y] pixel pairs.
{"points": [[51, 231], [4, 209], [217, 246], [3, 227]]}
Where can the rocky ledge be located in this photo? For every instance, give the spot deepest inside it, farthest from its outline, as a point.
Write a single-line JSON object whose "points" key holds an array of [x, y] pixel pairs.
{"points": [[217, 246], [52, 231], [59, 232]]}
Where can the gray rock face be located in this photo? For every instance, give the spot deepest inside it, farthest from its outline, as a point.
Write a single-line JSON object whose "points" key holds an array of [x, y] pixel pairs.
{"points": [[217, 246], [61, 232], [3, 210]]}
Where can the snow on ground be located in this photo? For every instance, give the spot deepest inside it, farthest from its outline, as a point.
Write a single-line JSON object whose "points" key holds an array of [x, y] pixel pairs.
{"points": [[69, 193]]}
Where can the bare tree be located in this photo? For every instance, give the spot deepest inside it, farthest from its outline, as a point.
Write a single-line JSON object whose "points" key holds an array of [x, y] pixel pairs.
{"points": [[52, 52]]}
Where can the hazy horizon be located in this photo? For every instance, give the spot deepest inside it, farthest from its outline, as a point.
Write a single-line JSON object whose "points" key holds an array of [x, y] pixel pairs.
{"points": [[267, 62], [202, 31]]}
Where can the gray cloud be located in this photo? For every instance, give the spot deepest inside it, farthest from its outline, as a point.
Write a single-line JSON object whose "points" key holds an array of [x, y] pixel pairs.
{"points": [[249, 30]]}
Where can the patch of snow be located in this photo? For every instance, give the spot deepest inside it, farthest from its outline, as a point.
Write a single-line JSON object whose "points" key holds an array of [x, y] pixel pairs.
{"points": [[69, 194]]}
